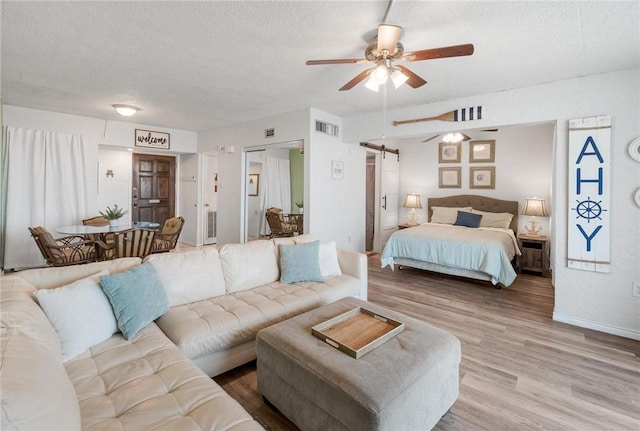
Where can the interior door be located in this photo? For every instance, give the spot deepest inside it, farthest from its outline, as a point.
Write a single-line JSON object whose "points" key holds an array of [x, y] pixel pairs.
{"points": [[388, 220], [154, 190], [210, 194]]}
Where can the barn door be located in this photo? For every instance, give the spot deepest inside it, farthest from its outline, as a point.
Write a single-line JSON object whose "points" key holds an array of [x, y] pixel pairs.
{"points": [[154, 191], [388, 220]]}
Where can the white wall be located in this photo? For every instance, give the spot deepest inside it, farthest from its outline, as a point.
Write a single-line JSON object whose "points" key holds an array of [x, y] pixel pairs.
{"points": [[593, 300], [112, 138], [523, 162]]}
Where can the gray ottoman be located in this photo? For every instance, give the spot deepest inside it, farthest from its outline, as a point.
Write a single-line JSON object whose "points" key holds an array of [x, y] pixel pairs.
{"points": [[407, 383]]}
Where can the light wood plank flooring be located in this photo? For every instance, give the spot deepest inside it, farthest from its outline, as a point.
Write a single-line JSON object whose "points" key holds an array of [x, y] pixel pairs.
{"points": [[520, 370]]}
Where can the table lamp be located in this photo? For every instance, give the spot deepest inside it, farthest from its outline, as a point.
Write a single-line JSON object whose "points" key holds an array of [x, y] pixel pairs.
{"points": [[534, 207], [412, 201]]}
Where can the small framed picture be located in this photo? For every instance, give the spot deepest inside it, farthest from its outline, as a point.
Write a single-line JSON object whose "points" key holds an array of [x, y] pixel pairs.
{"points": [[482, 177], [482, 152], [449, 178], [449, 153], [253, 185], [337, 170]]}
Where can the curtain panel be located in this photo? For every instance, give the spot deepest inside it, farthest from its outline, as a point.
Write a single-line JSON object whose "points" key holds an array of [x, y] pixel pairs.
{"points": [[45, 183]]}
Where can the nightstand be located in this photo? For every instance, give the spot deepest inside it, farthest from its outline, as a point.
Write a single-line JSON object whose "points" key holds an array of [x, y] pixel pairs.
{"points": [[535, 254]]}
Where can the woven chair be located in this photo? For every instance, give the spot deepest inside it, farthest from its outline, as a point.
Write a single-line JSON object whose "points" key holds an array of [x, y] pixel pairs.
{"points": [[135, 242], [280, 225], [167, 239], [68, 250]]}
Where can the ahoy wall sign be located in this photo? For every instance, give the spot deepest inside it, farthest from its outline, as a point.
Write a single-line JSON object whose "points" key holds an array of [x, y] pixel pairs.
{"points": [[589, 194]]}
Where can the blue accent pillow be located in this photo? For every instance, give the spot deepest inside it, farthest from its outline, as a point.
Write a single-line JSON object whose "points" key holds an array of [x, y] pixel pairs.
{"points": [[300, 262], [137, 297], [468, 219]]}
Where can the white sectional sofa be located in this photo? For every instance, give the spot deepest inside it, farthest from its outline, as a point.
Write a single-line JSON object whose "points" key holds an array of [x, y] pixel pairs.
{"points": [[158, 378]]}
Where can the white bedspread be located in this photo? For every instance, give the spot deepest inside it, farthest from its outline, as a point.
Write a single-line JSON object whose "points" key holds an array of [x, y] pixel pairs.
{"points": [[484, 249]]}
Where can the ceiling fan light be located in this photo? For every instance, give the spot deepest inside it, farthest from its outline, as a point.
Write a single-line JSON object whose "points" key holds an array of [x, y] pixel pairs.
{"points": [[380, 74], [452, 138], [388, 36], [398, 78], [371, 84], [125, 110]]}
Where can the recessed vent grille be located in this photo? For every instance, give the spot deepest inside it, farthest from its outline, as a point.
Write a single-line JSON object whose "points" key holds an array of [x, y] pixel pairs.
{"points": [[329, 129], [269, 133], [212, 222]]}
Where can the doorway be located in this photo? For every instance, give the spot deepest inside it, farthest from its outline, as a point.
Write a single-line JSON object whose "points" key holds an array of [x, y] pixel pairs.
{"points": [[210, 198], [381, 200], [153, 192]]}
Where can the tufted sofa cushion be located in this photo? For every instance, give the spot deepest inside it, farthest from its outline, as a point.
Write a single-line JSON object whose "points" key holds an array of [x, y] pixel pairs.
{"points": [[147, 383], [36, 391], [204, 327]]}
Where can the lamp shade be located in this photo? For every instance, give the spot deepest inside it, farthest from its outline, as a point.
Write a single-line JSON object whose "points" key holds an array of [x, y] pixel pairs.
{"points": [[535, 207], [412, 201]]}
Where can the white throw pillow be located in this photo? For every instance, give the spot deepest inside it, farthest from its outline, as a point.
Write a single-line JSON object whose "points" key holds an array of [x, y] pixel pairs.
{"points": [[446, 215], [81, 314], [189, 276], [249, 265], [329, 259], [500, 220]]}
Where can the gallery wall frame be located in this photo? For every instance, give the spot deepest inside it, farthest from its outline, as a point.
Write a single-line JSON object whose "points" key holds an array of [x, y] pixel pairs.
{"points": [[450, 178], [482, 151], [482, 177], [253, 185], [449, 152]]}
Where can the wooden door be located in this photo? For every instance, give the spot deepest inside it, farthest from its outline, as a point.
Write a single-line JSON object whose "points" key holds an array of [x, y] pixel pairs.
{"points": [[154, 191]]}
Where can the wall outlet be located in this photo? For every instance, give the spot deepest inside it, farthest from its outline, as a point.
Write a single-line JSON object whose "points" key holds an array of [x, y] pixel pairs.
{"points": [[635, 289]]}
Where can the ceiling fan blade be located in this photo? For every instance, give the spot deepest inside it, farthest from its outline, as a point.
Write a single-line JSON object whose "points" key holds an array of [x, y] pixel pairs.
{"points": [[414, 80], [361, 76], [388, 36], [445, 52], [431, 138], [465, 137], [337, 61]]}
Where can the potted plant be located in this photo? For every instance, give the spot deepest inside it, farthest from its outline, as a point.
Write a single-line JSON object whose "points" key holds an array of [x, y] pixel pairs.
{"points": [[300, 205], [113, 214]]}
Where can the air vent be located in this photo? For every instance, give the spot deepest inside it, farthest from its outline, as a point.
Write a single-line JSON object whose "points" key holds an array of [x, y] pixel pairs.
{"points": [[269, 133], [329, 129]]}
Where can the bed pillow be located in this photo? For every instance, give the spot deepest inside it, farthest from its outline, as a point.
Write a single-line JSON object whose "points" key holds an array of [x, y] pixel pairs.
{"points": [[468, 219], [300, 262], [137, 297], [80, 313], [446, 215], [499, 220]]}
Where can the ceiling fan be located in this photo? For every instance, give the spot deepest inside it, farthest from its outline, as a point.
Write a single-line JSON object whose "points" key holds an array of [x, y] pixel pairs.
{"points": [[384, 52], [456, 136]]}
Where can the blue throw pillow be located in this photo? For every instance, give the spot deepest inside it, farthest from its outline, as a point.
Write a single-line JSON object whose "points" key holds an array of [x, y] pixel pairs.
{"points": [[300, 262], [468, 219], [137, 297]]}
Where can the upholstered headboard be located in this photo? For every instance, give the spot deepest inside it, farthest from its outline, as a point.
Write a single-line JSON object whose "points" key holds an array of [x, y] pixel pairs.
{"points": [[480, 203]]}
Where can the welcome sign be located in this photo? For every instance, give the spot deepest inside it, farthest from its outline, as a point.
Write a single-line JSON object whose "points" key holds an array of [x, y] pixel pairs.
{"points": [[149, 139], [589, 194]]}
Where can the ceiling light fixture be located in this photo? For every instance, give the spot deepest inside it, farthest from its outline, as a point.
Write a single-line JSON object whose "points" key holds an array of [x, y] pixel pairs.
{"points": [[125, 110], [452, 138], [398, 78]]}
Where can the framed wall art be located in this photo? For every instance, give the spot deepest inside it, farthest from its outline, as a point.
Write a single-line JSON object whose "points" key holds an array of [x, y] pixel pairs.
{"points": [[253, 185], [149, 139], [449, 178], [482, 152], [482, 177], [337, 170], [449, 152]]}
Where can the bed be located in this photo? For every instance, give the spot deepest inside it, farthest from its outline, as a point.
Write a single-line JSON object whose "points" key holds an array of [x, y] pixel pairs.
{"points": [[483, 253]]}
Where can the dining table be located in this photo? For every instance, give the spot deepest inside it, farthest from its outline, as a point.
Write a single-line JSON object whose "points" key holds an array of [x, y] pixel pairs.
{"points": [[80, 229]]}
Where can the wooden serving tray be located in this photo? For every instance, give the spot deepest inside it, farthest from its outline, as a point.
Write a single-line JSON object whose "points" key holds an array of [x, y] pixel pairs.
{"points": [[357, 331]]}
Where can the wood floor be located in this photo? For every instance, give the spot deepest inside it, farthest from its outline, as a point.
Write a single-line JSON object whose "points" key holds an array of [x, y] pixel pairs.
{"points": [[520, 370]]}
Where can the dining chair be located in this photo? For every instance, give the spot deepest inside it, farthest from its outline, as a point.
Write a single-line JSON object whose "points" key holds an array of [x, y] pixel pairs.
{"points": [[99, 221], [167, 238], [68, 250], [280, 225], [136, 242]]}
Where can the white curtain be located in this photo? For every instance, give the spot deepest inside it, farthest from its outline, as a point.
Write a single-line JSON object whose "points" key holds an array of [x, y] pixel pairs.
{"points": [[277, 189], [47, 180]]}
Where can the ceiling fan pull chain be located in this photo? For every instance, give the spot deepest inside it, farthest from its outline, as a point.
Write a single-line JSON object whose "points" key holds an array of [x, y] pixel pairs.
{"points": [[384, 110]]}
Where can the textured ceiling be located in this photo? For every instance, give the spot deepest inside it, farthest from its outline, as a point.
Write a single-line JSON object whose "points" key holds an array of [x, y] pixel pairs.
{"points": [[202, 65]]}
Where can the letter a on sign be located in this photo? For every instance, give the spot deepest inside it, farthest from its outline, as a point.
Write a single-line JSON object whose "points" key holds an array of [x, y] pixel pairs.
{"points": [[589, 194]]}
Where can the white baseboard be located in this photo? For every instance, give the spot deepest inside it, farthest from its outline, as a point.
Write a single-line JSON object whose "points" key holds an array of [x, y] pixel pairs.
{"points": [[589, 324]]}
